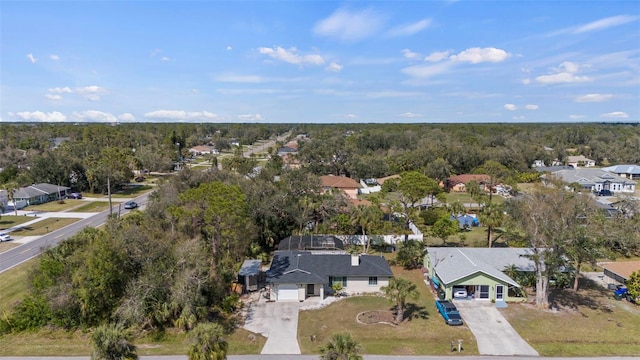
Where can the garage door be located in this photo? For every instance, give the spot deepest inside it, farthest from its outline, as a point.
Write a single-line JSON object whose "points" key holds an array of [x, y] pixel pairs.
{"points": [[287, 292]]}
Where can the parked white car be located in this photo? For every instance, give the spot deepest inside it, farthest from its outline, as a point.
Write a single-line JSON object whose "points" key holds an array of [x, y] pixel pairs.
{"points": [[4, 237], [459, 292]]}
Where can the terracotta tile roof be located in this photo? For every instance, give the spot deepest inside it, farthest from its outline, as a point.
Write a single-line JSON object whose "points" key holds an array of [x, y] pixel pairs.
{"points": [[622, 268], [465, 178], [356, 202], [339, 182]]}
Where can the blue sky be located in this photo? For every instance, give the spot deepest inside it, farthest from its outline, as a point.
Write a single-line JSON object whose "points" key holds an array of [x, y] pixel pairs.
{"points": [[320, 61]]}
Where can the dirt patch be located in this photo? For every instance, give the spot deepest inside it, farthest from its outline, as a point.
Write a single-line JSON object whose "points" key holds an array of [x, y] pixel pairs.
{"points": [[376, 317]]}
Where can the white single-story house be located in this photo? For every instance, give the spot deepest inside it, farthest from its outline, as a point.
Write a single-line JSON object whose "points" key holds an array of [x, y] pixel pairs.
{"points": [[479, 271], [596, 179], [580, 161], [202, 150], [296, 275], [39, 194], [631, 172]]}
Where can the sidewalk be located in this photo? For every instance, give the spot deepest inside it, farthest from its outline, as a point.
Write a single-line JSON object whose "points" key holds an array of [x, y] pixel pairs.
{"points": [[40, 215]]}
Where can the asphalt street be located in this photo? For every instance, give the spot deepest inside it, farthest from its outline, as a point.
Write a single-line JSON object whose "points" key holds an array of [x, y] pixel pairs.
{"points": [[24, 252]]}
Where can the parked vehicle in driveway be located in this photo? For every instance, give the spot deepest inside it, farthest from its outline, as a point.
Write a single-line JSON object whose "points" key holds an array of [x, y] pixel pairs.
{"points": [[459, 292], [4, 237], [449, 312], [74, 196], [130, 205]]}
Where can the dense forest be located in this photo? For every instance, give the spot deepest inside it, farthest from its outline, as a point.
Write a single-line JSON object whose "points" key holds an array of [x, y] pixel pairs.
{"points": [[173, 264]]}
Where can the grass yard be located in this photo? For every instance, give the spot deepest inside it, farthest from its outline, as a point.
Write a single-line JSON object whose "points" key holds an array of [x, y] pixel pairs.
{"points": [[53, 206], [132, 191], [8, 221], [94, 206], [424, 333], [587, 323], [13, 285], [43, 227]]}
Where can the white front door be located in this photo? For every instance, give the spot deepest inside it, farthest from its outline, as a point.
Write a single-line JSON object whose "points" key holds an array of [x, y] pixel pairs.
{"points": [[499, 292]]}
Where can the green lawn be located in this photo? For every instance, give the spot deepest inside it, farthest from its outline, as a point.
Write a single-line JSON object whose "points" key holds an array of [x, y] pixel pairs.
{"points": [[424, 333], [587, 323], [43, 227], [8, 221], [132, 191], [53, 206], [94, 206]]}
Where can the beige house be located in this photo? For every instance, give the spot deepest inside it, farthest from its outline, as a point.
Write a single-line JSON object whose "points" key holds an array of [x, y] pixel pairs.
{"points": [[348, 185], [580, 161]]}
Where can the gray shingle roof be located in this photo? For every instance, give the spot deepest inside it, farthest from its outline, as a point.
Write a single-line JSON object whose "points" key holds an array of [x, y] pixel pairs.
{"points": [[452, 264], [250, 268], [37, 190], [590, 176], [304, 267], [624, 169]]}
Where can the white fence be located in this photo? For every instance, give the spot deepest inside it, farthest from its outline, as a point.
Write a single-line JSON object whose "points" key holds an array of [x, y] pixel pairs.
{"points": [[382, 239]]}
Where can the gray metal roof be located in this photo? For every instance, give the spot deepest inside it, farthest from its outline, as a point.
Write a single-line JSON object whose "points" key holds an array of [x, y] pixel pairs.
{"points": [[38, 190], [305, 267], [250, 268], [452, 264], [590, 176], [624, 169]]}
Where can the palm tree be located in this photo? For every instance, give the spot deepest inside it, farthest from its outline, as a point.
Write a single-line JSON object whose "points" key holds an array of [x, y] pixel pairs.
{"points": [[11, 188], [341, 347], [208, 343], [366, 217], [111, 342], [491, 215], [398, 291]]}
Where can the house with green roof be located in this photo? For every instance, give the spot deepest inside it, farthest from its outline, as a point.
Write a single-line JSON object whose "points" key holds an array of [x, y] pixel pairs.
{"points": [[479, 271]]}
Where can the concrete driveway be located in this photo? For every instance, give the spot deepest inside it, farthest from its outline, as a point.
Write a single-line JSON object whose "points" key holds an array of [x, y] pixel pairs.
{"points": [[494, 334], [278, 321]]}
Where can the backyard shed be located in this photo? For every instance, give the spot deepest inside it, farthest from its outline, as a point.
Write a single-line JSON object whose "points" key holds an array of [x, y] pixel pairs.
{"points": [[251, 275]]}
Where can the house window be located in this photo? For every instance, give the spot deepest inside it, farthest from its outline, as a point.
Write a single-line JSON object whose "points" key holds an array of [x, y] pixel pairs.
{"points": [[338, 280], [373, 280]]}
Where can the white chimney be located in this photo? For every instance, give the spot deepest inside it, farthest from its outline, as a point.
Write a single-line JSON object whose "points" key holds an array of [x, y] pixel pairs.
{"points": [[355, 259]]}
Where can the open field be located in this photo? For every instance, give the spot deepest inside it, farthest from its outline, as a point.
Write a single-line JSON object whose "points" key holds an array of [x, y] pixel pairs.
{"points": [[424, 333], [8, 221], [587, 323], [43, 227], [94, 206], [53, 206]]}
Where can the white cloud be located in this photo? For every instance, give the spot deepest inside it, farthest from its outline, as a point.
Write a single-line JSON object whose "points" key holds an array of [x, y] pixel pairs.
{"points": [[410, 29], [526, 81], [351, 116], [291, 56], [520, 117], [565, 73], [334, 67], [437, 56], [54, 57], [165, 59], [126, 117], [250, 117], [479, 55], [229, 48], [53, 96], [593, 98], [410, 54], [54, 116], [31, 58], [195, 91], [350, 25], [576, 117], [615, 114], [232, 78], [180, 115], [605, 23], [94, 116], [60, 90], [427, 71], [531, 107], [91, 93], [410, 115], [510, 107]]}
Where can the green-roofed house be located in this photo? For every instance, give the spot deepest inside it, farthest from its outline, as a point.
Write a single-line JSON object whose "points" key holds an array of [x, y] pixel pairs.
{"points": [[479, 271]]}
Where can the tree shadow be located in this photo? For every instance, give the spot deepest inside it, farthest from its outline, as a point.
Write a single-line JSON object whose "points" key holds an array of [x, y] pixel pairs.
{"points": [[588, 295], [414, 311]]}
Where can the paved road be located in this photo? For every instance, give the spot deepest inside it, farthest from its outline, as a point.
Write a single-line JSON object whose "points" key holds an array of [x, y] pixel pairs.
{"points": [[494, 334], [22, 253]]}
